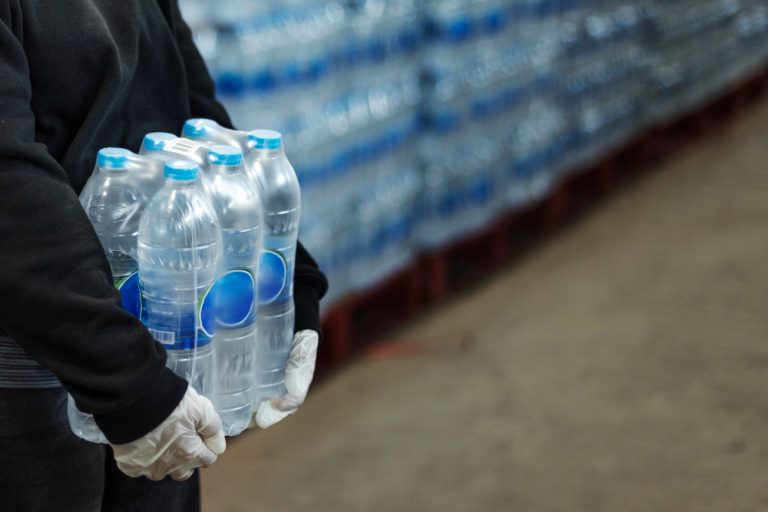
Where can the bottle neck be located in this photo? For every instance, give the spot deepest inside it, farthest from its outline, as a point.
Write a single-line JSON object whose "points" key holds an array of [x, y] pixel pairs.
{"points": [[224, 169], [181, 184], [269, 153], [113, 173]]}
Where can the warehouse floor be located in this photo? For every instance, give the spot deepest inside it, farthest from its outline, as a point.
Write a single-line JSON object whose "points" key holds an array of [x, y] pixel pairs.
{"points": [[620, 366]]}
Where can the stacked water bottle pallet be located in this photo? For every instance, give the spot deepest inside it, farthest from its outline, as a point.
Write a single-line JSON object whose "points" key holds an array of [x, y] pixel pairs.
{"points": [[698, 49], [467, 261], [432, 138]]}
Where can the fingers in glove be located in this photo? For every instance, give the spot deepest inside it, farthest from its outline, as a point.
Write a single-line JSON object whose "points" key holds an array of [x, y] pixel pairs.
{"points": [[145, 451], [175, 443], [267, 414], [287, 403], [130, 470], [206, 457], [182, 475], [190, 451], [208, 425], [301, 366], [156, 471]]}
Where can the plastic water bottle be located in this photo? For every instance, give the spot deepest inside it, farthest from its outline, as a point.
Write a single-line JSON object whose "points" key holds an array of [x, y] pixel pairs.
{"points": [[281, 197], [282, 212], [154, 143], [113, 201], [238, 207], [178, 253]]}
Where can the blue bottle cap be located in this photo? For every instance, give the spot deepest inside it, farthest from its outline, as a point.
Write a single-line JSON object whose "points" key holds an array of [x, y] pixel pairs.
{"points": [[181, 170], [265, 139], [112, 158], [196, 128], [156, 141], [225, 155]]}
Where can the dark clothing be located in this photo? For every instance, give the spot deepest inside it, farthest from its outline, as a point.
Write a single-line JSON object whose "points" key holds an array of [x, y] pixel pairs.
{"points": [[76, 76], [46, 468], [309, 286], [18, 371]]}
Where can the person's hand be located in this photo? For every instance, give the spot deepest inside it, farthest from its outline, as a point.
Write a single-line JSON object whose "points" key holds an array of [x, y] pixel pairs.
{"points": [[298, 376], [191, 437]]}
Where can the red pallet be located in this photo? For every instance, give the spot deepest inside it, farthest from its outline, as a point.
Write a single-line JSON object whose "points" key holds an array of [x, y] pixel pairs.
{"points": [[465, 261], [365, 315], [435, 275]]}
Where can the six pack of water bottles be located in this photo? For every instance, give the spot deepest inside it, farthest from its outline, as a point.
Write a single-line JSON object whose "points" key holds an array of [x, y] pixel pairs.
{"points": [[413, 122], [200, 233]]}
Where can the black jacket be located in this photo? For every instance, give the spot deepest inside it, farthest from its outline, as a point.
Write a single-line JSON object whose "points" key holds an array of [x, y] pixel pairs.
{"points": [[76, 76]]}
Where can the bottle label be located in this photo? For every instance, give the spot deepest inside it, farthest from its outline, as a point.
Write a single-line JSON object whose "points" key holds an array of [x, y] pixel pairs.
{"points": [[130, 293], [273, 274], [185, 330], [235, 296], [206, 313], [167, 338], [184, 337]]}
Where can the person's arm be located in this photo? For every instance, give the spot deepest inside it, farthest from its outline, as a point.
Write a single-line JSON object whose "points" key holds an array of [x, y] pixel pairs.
{"points": [[309, 286], [56, 295]]}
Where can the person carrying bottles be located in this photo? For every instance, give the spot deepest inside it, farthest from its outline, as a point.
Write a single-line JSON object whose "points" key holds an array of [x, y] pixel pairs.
{"points": [[77, 76]]}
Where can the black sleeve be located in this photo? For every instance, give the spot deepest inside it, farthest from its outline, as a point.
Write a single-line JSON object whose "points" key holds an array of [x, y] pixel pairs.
{"points": [[56, 295], [309, 286], [309, 283]]}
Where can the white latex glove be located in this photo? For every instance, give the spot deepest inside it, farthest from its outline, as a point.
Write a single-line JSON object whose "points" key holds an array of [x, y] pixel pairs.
{"points": [[83, 425], [298, 376], [191, 437]]}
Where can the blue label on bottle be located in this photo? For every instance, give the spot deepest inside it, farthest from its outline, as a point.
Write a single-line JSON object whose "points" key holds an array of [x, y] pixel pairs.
{"points": [[130, 293], [188, 329], [207, 312], [273, 273], [235, 296]]}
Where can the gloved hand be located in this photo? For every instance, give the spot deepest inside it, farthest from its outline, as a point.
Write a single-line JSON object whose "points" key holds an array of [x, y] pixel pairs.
{"points": [[298, 376], [189, 438]]}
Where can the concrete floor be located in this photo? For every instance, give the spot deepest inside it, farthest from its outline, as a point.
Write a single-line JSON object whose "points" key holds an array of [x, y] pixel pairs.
{"points": [[622, 366]]}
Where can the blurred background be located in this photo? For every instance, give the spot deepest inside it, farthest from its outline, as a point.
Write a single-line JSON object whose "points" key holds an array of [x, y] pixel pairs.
{"points": [[615, 366]]}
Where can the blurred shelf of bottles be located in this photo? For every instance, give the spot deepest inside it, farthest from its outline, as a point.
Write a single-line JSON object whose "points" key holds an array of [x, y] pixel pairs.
{"points": [[414, 123]]}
